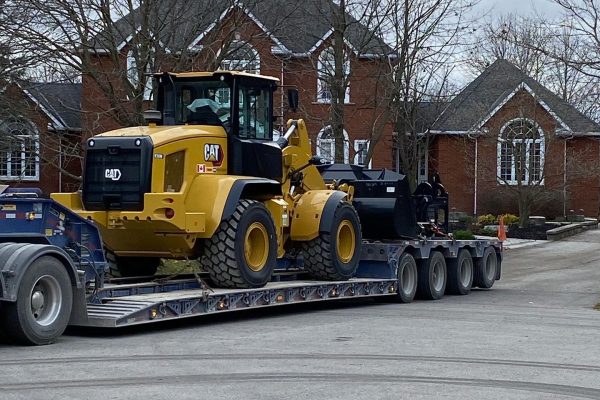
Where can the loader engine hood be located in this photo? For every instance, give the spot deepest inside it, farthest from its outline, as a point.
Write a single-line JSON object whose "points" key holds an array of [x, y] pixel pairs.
{"points": [[118, 164]]}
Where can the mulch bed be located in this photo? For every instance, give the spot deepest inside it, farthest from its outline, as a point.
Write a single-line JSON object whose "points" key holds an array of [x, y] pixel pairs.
{"points": [[537, 232]]}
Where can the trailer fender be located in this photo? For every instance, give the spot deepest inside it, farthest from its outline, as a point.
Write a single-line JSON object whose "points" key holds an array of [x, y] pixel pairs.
{"points": [[313, 211], [250, 189], [15, 258]]}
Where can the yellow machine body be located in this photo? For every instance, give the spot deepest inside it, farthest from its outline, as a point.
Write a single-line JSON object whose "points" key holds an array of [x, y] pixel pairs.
{"points": [[190, 189]]}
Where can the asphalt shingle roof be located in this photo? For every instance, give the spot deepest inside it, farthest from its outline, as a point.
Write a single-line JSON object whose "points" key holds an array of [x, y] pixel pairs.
{"points": [[467, 110], [61, 100], [297, 24]]}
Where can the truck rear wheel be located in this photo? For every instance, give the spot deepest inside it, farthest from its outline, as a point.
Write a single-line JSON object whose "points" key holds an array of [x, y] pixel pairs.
{"points": [[43, 307], [243, 251], [485, 269], [335, 253], [126, 267], [460, 273], [432, 277]]}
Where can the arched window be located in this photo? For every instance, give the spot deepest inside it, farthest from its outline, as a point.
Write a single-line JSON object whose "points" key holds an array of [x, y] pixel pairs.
{"points": [[19, 151], [326, 145], [521, 153], [241, 56], [326, 75], [133, 74]]}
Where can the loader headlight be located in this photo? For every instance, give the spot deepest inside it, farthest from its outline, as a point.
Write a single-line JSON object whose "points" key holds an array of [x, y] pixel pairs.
{"points": [[91, 143], [138, 142]]}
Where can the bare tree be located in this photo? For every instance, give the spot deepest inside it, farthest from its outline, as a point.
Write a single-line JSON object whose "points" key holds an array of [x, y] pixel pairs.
{"points": [[546, 51], [427, 37]]}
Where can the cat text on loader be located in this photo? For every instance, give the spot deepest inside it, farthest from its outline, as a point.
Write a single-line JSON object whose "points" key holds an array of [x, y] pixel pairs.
{"points": [[206, 180]]}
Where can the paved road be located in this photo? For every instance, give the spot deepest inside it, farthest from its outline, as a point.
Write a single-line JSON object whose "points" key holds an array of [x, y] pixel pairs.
{"points": [[534, 335]]}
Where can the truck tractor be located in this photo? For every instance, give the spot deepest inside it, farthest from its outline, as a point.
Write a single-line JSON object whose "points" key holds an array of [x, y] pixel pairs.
{"points": [[205, 180]]}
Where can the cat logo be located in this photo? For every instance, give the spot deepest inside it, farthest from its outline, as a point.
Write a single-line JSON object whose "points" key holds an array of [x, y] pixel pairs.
{"points": [[113, 174], [213, 153]]}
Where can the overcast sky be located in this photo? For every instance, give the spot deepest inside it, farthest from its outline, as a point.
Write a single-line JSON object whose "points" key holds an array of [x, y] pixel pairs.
{"points": [[524, 7]]}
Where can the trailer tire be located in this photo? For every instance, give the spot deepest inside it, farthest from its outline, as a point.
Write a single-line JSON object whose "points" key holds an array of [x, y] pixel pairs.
{"points": [[486, 268], [407, 279], [43, 307], [460, 273], [126, 267], [432, 277], [228, 257], [335, 253]]}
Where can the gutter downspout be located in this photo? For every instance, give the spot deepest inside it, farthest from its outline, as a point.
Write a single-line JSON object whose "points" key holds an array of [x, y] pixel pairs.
{"points": [[476, 167]]}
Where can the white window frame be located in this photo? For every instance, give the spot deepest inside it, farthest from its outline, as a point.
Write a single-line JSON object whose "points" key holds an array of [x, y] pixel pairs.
{"points": [[327, 142], [325, 70], [359, 148], [240, 64], [12, 177], [528, 143]]}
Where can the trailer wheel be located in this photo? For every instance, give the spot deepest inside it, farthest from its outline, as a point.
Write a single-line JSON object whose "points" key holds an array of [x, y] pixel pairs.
{"points": [[407, 279], [124, 267], [334, 254], [484, 274], [432, 277], [460, 273], [43, 307], [243, 251]]}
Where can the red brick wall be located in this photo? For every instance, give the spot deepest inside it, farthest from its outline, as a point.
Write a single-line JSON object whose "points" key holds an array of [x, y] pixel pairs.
{"points": [[49, 171], [360, 115], [454, 159]]}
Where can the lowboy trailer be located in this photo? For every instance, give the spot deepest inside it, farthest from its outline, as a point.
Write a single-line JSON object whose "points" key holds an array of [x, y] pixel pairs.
{"points": [[52, 274]]}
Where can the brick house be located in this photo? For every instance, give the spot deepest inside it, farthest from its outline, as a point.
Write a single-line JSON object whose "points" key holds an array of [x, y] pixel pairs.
{"points": [[505, 131], [40, 132], [289, 40]]}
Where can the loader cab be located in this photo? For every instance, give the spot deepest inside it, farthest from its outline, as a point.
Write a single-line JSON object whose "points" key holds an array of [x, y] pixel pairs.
{"points": [[240, 103]]}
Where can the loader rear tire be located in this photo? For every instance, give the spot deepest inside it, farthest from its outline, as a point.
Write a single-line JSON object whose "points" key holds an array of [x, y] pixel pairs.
{"points": [[127, 267], [242, 253], [335, 253], [43, 307]]}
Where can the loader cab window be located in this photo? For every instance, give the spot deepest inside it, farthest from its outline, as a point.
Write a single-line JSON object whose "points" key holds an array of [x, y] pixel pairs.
{"points": [[254, 105], [202, 103]]}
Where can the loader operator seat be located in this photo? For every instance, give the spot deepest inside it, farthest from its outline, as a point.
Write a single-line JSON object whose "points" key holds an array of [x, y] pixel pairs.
{"points": [[204, 116]]}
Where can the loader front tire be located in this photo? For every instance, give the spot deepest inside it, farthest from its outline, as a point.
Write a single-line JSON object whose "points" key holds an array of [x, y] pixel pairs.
{"points": [[335, 253], [242, 253]]}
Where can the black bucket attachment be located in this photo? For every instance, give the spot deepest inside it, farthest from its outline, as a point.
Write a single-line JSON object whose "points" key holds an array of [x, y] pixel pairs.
{"points": [[382, 199]]}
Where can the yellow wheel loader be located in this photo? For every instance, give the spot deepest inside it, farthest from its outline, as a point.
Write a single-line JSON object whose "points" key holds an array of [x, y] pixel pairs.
{"points": [[206, 180]]}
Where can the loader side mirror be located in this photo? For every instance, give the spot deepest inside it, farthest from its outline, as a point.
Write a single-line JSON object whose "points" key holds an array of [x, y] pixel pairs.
{"points": [[292, 96]]}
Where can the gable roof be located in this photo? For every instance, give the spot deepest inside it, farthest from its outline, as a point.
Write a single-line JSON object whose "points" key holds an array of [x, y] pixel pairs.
{"points": [[483, 97], [296, 26], [61, 102]]}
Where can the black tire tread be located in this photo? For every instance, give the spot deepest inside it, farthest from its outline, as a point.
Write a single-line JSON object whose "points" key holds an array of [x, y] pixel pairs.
{"points": [[479, 279], [219, 254], [424, 290], [452, 269], [318, 256]]}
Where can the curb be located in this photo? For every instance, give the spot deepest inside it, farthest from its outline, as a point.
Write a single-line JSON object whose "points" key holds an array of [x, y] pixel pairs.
{"points": [[571, 229]]}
